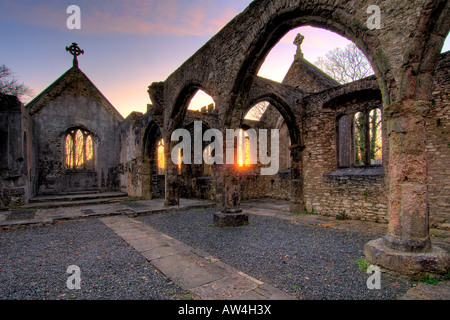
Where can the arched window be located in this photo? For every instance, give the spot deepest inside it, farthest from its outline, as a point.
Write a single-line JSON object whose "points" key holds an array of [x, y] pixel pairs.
{"points": [[375, 136], [207, 156], [344, 145], [244, 154], [366, 134], [79, 150], [161, 157], [359, 135]]}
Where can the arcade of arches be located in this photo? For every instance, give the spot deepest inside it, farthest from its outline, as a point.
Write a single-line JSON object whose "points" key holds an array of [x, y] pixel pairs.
{"points": [[371, 148], [376, 148]]}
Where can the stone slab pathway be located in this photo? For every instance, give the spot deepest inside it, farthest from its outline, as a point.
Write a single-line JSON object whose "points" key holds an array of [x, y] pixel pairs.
{"points": [[206, 277], [429, 292], [29, 217]]}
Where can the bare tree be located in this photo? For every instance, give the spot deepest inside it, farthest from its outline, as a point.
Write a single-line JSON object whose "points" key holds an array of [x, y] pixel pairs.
{"points": [[346, 64], [9, 84]]}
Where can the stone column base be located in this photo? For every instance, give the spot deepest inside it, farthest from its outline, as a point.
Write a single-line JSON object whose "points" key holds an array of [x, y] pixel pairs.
{"points": [[225, 219], [436, 260]]}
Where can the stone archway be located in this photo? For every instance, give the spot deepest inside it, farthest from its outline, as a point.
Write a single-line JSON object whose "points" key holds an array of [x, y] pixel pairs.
{"points": [[405, 106], [176, 120], [287, 113], [152, 180], [404, 54]]}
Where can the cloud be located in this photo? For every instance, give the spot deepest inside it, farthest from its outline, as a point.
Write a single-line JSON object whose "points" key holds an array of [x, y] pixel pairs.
{"points": [[134, 17]]}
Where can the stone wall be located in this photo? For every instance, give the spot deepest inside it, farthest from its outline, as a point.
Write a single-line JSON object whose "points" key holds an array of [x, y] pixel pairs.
{"points": [[130, 168], [138, 169], [51, 124], [17, 167], [438, 147]]}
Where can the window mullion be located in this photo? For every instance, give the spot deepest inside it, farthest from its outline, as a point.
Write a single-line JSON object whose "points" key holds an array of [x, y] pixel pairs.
{"points": [[352, 139], [366, 138], [84, 151], [73, 150]]}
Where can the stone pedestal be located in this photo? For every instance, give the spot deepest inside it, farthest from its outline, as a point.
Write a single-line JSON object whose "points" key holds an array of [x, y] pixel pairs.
{"points": [[231, 219], [436, 260]]}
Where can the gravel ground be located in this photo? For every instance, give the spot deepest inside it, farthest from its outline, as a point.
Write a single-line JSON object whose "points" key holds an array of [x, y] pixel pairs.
{"points": [[309, 262], [33, 265]]}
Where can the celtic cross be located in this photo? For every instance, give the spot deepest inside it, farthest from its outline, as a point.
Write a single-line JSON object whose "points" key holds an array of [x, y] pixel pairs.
{"points": [[298, 42], [75, 50]]}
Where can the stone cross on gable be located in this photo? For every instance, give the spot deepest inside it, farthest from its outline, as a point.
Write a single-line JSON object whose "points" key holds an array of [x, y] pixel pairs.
{"points": [[298, 41], [75, 50]]}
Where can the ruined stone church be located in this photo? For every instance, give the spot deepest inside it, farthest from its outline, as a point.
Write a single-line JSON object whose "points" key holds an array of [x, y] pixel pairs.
{"points": [[376, 149]]}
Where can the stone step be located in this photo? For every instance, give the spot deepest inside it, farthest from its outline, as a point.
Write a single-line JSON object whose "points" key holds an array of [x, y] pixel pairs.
{"points": [[78, 199]]}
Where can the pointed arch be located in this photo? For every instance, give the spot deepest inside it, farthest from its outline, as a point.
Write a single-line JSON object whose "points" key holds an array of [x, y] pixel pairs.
{"points": [[183, 102], [284, 109], [78, 150], [302, 15], [153, 174]]}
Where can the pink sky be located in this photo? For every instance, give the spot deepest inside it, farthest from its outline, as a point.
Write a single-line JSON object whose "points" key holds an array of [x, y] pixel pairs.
{"points": [[130, 44]]}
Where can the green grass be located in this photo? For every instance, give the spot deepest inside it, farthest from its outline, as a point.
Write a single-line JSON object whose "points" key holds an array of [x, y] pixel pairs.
{"points": [[342, 216], [306, 212], [427, 279], [362, 264]]}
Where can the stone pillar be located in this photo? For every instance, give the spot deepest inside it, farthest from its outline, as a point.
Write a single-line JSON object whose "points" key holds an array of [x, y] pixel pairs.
{"points": [[231, 215], [171, 183], [297, 203], [146, 177], [232, 201], [407, 180], [218, 178], [407, 247]]}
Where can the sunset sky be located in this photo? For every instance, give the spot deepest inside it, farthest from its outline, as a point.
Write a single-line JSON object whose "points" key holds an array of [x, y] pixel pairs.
{"points": [[129, 44]]}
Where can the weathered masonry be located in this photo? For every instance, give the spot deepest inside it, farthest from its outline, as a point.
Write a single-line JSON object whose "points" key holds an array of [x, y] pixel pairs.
{"points": [[375, 149]]}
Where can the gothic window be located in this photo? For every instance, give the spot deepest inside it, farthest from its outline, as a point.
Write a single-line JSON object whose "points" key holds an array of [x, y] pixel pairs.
{"points": [[207, 155], [161, 158], [180, 164], [375, 137], [344, 134], [360, 141], [79, 150], [360, 138], [243, 159]]}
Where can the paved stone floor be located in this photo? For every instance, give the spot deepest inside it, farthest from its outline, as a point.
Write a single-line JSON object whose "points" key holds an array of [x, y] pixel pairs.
{"points": [[203, 275], [33, 215]]}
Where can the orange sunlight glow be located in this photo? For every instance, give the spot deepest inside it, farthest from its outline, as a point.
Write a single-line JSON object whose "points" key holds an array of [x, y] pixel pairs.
{"points": [[243, 160], [79, 148], [161, 157]]}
